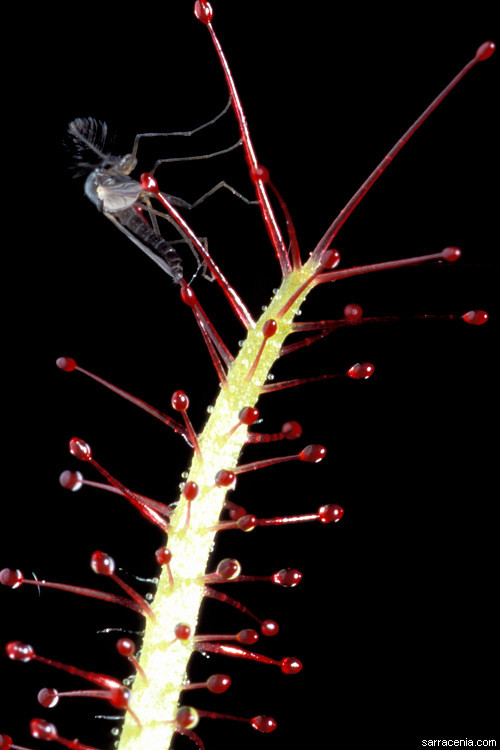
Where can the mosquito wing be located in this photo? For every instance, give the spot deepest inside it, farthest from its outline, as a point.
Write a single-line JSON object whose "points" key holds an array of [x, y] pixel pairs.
{"points": [[153, 245]]}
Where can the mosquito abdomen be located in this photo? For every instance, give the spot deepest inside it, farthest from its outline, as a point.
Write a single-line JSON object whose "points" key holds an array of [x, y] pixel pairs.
{"points": [[139, 227]]}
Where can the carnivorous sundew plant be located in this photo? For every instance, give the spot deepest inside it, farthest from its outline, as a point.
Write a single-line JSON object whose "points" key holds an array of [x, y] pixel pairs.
{"points": [[286, 529]]}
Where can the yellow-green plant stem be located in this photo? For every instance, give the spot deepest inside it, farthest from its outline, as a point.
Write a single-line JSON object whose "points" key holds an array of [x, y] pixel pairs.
{"points": [[163, 658]]}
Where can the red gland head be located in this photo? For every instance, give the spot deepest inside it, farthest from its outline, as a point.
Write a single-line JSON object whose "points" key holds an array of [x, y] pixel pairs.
{"points": [[149, 183], [451, 254], [264, 724], [187, 717], [259, 173], [229, 569], [361, 371], [269, 328], [125, 647], [312, 454], [66, 363], [485, 50], [475, 317], [247, 523], [120, 696], [330, 259], [353, 313], [236, 512], [269, 627], [290, 665], [182, 631], [248, 637], [188, 296], [42, 730], [102, 564], [291, 430], [163, 556], [48, 697], [180, 401], [203, 11], [288, 577], [224, 478], [329, 513], [5, 742], [18, 651], [80, 449], [191, 491], [11, 578], [71, 480], [248, 415], [218, 683]]}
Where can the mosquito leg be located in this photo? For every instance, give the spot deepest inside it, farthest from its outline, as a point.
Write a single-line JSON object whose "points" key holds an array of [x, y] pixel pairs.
{"points": [[181, 133], [294, 247], [226, 186], [176, 201], [181, 203], [152, 216], [185, 242], [200, 264], [197, 157], [206, 274]]}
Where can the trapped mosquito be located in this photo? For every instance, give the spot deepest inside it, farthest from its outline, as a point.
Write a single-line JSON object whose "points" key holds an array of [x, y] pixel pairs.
{"points": [[124, 200]]}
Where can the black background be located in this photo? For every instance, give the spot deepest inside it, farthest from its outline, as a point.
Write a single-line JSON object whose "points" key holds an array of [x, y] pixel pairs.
{"points": [[394, 617]]}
